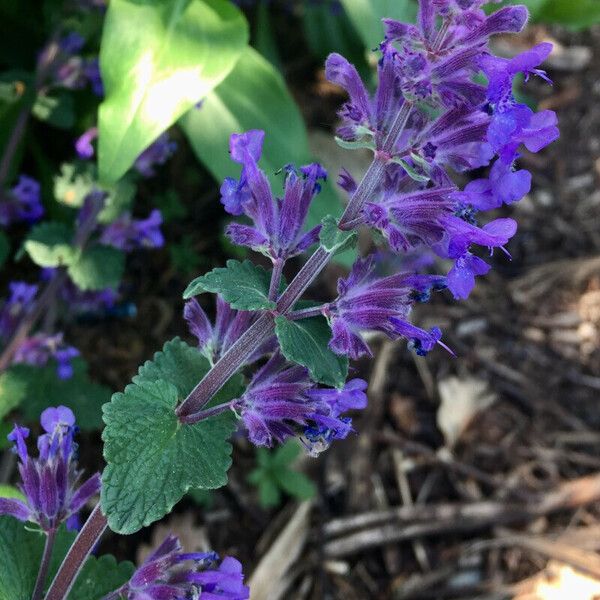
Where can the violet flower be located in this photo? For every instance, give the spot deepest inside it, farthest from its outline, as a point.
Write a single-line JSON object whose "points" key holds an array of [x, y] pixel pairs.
{"points": [[230, 324], [281, 402], [170, 574], [50, 481], [368, 303], [156, 154], [83, 145], [22, 203], [277, 223], [40, 348], [127, 233], [19, 303]]}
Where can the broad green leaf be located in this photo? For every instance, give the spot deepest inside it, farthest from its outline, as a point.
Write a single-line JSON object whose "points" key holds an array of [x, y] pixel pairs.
{"points": [[333, 239], [583, 13], [157, 61], [9, 491], [295, 484], [50, 245], [99, 577], [43, 388], [13, 390], [254, 96], [366, 16], [4, 248], [306, 342], [152, 459], [58, 111], [244, 286], [20, 554], [97, 268], [268, 492]]}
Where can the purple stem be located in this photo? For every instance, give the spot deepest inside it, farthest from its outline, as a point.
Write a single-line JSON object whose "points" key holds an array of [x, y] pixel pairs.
{"points": [[44, 564], [306, 313], [260, 331], [276, 278], [82, 546]]}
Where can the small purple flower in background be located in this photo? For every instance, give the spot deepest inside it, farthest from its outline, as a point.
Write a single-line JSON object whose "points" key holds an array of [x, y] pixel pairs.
{"points": [[281, 402], [49, 481], [19, 303], [156, 154], [278, 223], [170, 574], [230, 324], [128, 234], [368, 303], [91, 69], [40, 348], [83, 145], [22, 202]]}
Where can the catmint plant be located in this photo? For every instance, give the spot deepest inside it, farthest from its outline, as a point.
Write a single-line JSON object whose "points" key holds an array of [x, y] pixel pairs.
{"points": [[274, 363]]}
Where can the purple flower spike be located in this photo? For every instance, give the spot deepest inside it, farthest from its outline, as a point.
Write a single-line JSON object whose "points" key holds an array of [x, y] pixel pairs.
{"points": [[129, 234], [19, 303], [170, 574], [282, 402], [23, 203], [230, 324], [156, 154], [277, 230], [49, 481], [40, 348], [367, 303]]}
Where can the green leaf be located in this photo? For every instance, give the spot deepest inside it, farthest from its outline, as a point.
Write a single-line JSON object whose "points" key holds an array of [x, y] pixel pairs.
{"points": [[366, 16], [305, 342], [58, 111], [8, 491], [268, 492], [97, 268], [583, 13], [244, 286], [333, 239], [296, 484], [43, 388], [4, 248], [100, 576], [13, 390], [411, 171], [152, 459], [286, 454], [368, 144], [20, 554], [157, 61], [254, 96], [49, 245], [77, 180]]}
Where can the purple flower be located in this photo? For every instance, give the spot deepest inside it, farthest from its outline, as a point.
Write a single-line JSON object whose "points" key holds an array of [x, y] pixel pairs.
{"points": [[230, 324], [19, 303], [91, 69], [49, 481], [83, 145], [170, 574], [513, 124], [368, 303], [128, 234], [23, 203], [277, 222], [281, 402], [156, 154], [40, 348]]}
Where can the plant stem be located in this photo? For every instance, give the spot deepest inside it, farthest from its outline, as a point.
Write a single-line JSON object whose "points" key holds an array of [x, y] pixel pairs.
{"points": [[306, 313], [44, 564], [13, 144], [276, 279], [73, 562], [260, 331]]}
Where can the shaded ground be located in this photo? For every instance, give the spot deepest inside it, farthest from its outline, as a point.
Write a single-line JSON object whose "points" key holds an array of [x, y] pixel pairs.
{"points": [[485, 507]]}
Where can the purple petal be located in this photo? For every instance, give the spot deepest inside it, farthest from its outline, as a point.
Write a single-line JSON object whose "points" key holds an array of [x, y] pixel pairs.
{"points": [[14, 508]]}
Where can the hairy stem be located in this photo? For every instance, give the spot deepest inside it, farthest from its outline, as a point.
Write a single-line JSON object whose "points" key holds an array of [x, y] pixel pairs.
{"points": [[306, 313], [276, 278], [260, 331], [44, 564], [73, 562]]}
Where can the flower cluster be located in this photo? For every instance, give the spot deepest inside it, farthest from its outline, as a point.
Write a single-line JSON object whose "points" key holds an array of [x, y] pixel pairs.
{"points": [[129, 234], [448, 122], [22, 203], [170, 574], [443, 105], [50, 482]]}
